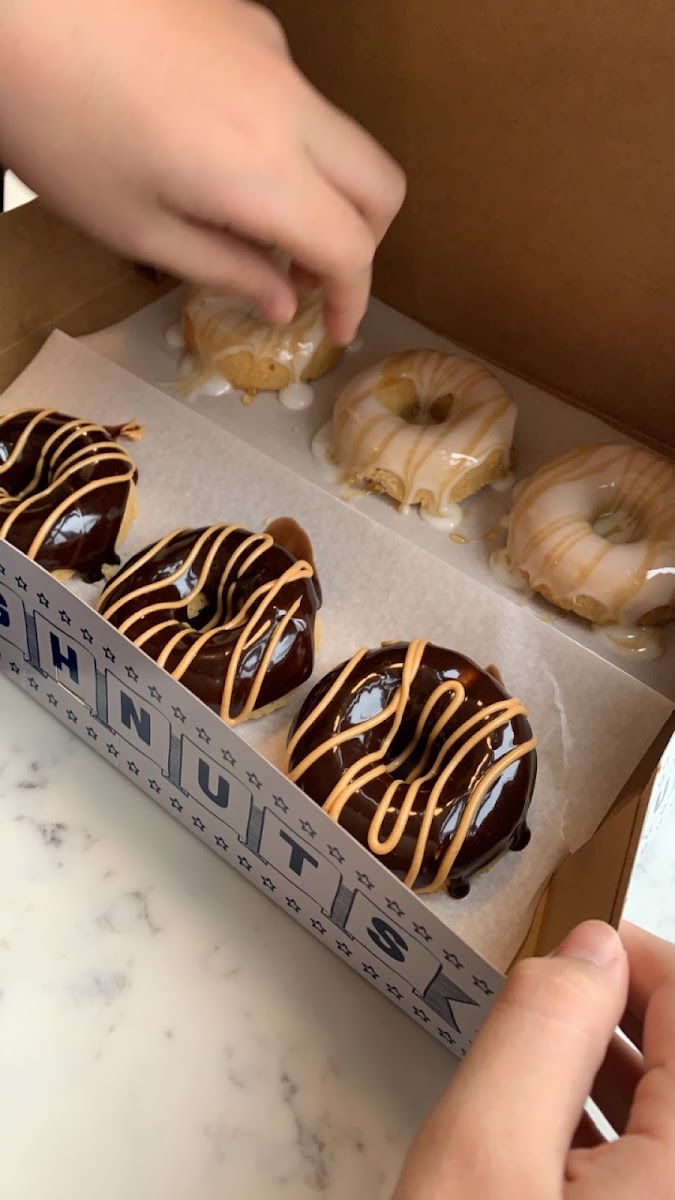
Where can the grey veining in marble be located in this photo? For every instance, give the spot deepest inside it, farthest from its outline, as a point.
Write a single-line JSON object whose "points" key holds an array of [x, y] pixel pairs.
{"points": [[164, 1030]]}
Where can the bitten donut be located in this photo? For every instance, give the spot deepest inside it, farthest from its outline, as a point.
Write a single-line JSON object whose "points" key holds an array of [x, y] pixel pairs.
{"points": [[67, 490], [424, 427], [229, 613], [594, 532], [232, 344], [423, 757]]}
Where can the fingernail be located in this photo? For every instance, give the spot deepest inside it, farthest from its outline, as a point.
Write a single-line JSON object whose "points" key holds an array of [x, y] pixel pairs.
{"points": [[592, 942]]}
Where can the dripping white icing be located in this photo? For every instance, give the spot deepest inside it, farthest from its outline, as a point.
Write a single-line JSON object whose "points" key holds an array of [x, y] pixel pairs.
{"points": [[503, 484], [502, 569], [446, 522], [296, 396]]}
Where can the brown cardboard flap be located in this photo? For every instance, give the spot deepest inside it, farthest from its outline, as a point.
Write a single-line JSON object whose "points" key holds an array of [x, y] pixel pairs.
{"points": [[538, 141], [54, 276]]}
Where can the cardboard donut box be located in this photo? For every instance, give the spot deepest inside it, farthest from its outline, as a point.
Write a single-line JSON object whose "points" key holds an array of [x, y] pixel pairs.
{"points": [[537, 233]]}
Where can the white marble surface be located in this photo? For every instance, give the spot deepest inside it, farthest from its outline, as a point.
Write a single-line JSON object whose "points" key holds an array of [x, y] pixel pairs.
{"points": [[164, 1030]]}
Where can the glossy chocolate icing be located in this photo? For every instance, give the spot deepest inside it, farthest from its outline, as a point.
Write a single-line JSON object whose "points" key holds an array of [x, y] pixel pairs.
{"points": [[499, 823], [64, 489], [227, 594]]}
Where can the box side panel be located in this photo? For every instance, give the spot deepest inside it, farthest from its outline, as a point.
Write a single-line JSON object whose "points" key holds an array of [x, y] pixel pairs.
{"points": [[180, 754], [54, 276], [538, 146]]}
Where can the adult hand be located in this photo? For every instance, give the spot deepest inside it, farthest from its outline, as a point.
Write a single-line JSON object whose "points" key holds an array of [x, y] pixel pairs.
{"points": [[180, 132], [510, 1126]]}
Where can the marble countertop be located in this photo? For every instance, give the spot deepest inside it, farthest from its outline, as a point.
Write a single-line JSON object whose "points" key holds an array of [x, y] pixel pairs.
{"points": [[164, 1030]]}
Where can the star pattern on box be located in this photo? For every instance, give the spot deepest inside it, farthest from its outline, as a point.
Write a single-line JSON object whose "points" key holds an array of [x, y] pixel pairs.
{"points": [[64, 616], [229, 758], [203, 736], [395, 907], [422, 1015], [91, 732], [131, 674], [446, 1035], [279, 802], [369, 971], [307, 828], [220, 842], [175, 803], [393, 991], [318, 926], [50, 696], [198, 824], [112, 749], [2, 569], [482, 986], [344, 949], [21, 583], [364, 880], [87, 637], [292, 904], [42, 600], [267, 882], [244, 863], [253, 780], [71, 716], [108, 654], [421, 931], [154, 786], [155, 694], [336, 854], [453, 960], [131, 766], [178, 713], [33, 684], [16, 669]]}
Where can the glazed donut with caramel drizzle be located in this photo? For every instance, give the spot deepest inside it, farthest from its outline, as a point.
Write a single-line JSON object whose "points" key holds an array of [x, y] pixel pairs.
{"points": [[229, 613], [423, 757], [67, 490]]}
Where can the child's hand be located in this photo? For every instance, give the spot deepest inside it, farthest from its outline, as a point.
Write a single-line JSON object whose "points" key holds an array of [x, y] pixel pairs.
{"points": [[510, 1126], [181, 132]]}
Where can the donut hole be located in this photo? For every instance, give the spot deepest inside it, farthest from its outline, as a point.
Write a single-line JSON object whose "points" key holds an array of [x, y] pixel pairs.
{"points": [[620, 522], [199, 611], [401, 397]]}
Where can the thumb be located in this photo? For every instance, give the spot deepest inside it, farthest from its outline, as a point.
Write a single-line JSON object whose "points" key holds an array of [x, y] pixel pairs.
{"points": [[509, 1116]]}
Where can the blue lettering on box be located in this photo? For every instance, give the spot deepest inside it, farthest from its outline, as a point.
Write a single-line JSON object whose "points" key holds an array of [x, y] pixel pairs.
{"points": [[301, 864], [65, 660], [221, 794], [215, 788], [13, 620], [373, 928], [138, 722]]}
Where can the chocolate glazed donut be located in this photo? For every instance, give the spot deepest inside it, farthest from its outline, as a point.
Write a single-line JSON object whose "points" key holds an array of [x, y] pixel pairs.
{"points": [[423, 757], [229, 613], [67, 490]]}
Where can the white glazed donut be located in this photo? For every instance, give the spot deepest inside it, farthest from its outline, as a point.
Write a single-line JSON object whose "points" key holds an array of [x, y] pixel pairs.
{"points": [[424, 427], [229, 341], [594, 532]]}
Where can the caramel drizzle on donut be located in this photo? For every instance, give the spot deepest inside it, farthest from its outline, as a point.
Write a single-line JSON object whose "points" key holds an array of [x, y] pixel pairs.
{"points": [[460, 742], [251, 621], [433, 376], [54, 451], [643, 480], [223, 326]]}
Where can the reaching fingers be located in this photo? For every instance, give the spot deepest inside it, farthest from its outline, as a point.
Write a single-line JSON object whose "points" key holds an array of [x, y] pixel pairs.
{"points": [[213, 256], [353, 162]]}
